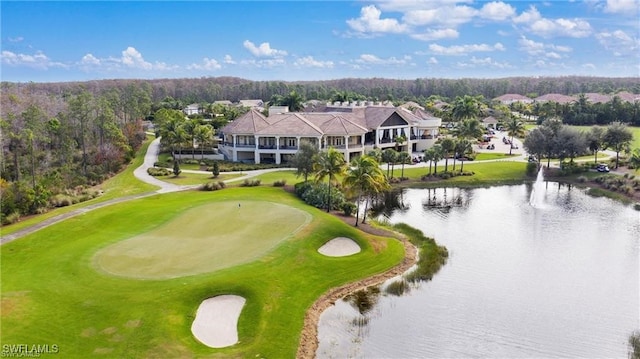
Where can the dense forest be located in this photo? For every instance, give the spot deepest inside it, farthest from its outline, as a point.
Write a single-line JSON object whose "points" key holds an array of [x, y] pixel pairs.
{"points": [[60, 139], [210, 89]]}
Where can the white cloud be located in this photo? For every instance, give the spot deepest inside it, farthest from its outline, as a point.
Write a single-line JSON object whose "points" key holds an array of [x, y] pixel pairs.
{"points": [[431, 35], [374, 60], [36, 61], [623, 7], [446, 15], [265, 63], [229, 60], [464, 49], [535, 48], [432, 61], [133, 58], [16, 39], [264, 50], [309, 61], [370, 22], [207, 64], [620, 42], [89, 59], [497, 10], [528, 16], [485, 62], [535, 23]]}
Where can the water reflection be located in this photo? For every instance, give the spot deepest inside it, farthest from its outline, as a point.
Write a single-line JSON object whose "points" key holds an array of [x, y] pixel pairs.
{"points": [[557, 281]]}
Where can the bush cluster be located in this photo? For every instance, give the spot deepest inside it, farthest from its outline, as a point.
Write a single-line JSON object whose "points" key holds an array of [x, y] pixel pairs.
{"points": [[446, 175], [158, 171], [250, 183], [280, 183], [570, 168], [316, 194], [622, 184], [213, 186]]}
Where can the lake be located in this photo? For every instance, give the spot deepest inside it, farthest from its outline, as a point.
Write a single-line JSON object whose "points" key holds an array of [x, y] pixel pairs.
{"points": [[558, 280]]}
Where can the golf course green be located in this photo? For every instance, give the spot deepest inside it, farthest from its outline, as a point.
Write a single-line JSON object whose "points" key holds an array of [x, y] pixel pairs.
{"points": [[194, 242], [58, 285]]}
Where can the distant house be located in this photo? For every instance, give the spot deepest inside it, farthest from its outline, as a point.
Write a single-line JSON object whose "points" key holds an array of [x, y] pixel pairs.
{"points": [[489, 122], [223, 102], [597, 97], [252, 103], [352, 130], [192, 109], [510, 98], [555, 97], [273, 110], [628, 96]]}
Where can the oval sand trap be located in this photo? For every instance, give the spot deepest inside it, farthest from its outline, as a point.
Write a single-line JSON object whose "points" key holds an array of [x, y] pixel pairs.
{"points": [[203, 239], [340, 247], [216, 322]]}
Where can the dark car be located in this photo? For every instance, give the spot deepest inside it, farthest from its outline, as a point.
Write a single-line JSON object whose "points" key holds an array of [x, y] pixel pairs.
{"points": [[602, 168]]}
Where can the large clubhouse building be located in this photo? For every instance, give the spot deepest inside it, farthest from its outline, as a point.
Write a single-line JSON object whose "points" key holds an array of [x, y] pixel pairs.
{"points": [[352, 130]]}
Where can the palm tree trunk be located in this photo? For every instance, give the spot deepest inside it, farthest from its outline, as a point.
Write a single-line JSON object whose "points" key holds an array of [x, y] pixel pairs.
{"points": [[358, 209], [329, 196], [364, 214]]}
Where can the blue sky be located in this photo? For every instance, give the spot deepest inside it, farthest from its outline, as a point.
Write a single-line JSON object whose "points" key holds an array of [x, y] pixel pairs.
{"points": [[318, 40]]}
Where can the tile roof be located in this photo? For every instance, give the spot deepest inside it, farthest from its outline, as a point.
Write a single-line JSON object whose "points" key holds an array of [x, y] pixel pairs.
{"points": [[555, 97]]}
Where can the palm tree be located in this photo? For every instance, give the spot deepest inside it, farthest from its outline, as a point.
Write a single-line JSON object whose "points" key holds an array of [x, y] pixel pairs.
{"points": [[469, 128], [403, 158], [399, 140], [189, 127], [465, 107], [429, 155], [329, 164], [463, 146], [171, 132], [204, 135], [389, 156], [364, 177], [448, 145], [438, 154], [514, 127]]}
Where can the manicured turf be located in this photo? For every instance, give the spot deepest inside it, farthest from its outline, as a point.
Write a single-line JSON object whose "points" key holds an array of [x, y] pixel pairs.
{"points": [[191, 243], [51, 292]]}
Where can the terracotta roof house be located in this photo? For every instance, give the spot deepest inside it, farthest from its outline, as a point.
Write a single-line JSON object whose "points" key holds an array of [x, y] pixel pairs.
{"points": [[628, 96], [597, 97], [555, 97], [510, 98], [353, 131]]}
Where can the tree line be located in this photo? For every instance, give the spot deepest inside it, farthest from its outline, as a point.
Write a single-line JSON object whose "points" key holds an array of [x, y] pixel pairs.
{"points": [[211, 89]]}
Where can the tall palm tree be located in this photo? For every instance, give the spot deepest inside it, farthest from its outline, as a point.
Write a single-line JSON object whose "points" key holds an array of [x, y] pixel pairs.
{"points": [[463, 146], [365, 178], [514, 128], [469, 128], [465, 107], [204, 135], [447, 145], [389, 157], [329, 164], [171, 131], [403, 158], [429, 155]]}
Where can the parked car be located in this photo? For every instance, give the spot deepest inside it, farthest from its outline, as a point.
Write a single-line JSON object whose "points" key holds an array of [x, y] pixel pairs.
{"points": [[602, 168]]}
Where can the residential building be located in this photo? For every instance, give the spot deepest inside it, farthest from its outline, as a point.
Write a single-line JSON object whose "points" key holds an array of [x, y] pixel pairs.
{"points": [[192, 109], [352, 130]]}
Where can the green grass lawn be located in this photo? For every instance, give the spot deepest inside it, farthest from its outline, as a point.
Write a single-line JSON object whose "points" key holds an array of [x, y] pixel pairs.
{"points": [[485, 173], [51, 292], [161, 252], [483, 156], [186, 179]]}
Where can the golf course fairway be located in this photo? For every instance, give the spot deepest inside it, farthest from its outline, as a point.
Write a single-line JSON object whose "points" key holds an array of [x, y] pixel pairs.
{"points": [[196, 242], [53, 292]]}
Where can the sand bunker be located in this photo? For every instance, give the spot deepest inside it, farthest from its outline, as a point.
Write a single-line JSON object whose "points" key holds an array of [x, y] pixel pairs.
{"points": [[216, 322], [340, 247]]}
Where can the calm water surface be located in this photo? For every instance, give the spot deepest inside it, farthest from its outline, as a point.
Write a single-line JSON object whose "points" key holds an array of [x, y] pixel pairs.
{"points": [[559, 281]]}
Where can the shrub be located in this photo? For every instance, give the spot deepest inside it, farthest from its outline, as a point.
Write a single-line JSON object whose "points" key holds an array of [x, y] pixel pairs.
{"points": [[302, 187], [317, 196], [582, 179], [636, 206], [348, 208], [532, 169], [162, 164], [280, 183], [397, 288], [250, 183], [156, 172], [211, 186], [11, 218], [221, 184]]}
